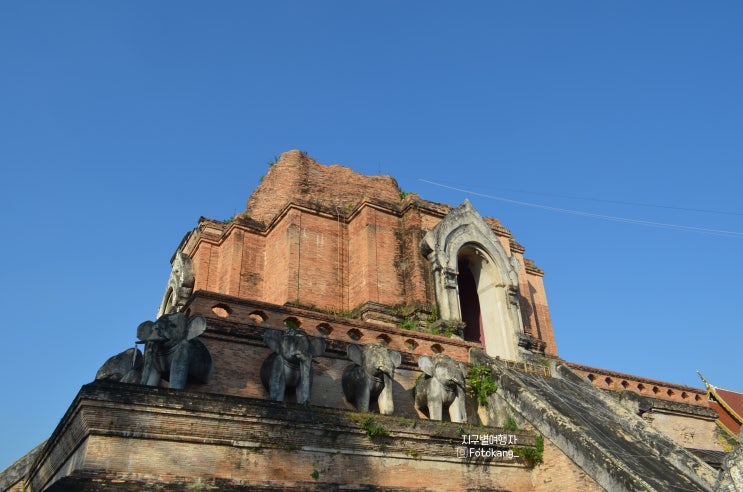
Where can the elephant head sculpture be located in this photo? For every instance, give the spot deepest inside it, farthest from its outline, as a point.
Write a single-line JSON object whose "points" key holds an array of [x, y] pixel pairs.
{"points": [[442, 387], [125, 367], [370, 377], [290, 364], [172, 351]]}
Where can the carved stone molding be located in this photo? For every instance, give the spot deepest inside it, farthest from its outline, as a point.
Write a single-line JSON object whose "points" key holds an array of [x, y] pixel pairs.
{"points": [[180, 285], [463, 235], [532, 344]]}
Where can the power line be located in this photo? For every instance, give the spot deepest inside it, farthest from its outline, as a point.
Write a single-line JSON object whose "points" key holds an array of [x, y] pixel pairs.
{"points": [[647, 223], [622, 202]]}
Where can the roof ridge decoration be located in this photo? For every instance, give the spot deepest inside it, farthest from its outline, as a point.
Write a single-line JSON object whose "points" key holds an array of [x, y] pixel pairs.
{"points": [[711, 391]]}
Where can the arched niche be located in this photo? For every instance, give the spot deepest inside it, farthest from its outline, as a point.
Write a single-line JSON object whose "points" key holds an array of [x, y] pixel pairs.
{"points": [[475, 280], [180, 285]]}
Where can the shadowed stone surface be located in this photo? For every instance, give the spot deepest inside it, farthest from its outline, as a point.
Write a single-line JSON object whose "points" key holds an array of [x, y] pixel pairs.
{"points": [[290, 364], [16, 472], [130, 437], [172, 351], [617, 448], [125, 367], [731, 473]]}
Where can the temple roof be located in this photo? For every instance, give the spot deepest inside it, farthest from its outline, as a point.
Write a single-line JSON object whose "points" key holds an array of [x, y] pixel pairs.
{"points": [[727, 403]]}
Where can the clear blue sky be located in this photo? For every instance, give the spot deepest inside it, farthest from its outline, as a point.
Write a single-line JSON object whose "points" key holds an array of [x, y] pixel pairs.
{"points": [[123, 122]]}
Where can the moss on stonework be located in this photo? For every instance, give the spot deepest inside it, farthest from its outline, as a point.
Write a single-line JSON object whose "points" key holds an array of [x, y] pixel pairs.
{"points": [[511, 424], [420, 378], [372, 428], [480, 383], [532, 456], [413, 453], [409, 324]]}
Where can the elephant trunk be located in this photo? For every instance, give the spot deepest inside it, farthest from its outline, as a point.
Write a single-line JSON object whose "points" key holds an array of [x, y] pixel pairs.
{"points": [[305, 382], [155, 336], [385, 403], [458, 408], [298, 356]]}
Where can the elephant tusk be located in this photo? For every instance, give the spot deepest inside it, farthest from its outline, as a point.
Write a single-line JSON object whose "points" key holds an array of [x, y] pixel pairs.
{"points": [[134, 355]]}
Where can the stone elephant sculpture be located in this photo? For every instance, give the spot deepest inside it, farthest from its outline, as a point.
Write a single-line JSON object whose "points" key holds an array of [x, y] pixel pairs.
{"points": [[290, 364], [442, 387], [125, 367], [370, 377], [172, 351]]}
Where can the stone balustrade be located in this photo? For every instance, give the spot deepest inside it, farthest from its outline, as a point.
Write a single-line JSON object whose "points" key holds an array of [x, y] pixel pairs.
{"points": [[616, 381], [227, 310]]}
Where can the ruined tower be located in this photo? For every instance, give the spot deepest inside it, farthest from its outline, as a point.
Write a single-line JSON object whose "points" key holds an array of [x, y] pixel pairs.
{"points": [[340, 262]]}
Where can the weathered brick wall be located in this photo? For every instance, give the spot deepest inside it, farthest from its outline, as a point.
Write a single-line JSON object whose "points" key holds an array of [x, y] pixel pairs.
{"points": [[279, 272], [237, 372], [559, 474], [662, 390], [202, 259], [363, 255], [242, 318], [326, 237], [687, 431], [128, 437], [540, 320], [297, 177], [413, 270], [252, 270], [235, 340], [231, 263], [320, 262], [372, 249]]}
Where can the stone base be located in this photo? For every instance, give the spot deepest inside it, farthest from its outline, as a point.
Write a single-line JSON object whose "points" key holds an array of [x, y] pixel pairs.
{"points": [[119, 436]]}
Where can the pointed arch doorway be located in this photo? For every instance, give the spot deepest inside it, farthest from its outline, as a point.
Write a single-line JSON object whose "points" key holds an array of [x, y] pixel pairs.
{"points": [[469, 302], [473, 279]]}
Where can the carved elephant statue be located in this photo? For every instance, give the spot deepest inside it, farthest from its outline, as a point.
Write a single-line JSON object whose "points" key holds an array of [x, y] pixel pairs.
{"points": [[290, 364], [172, 351], [125, 367], [370, 377], [442, 387]]}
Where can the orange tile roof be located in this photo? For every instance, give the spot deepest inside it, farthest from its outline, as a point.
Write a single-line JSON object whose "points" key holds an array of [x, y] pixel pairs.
{"points": [[733, 399], [728, 404], [725, 418]]}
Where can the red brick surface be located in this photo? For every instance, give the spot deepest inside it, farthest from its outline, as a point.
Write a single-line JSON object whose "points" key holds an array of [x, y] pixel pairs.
{"points": [[297, 177], [329, 238]]}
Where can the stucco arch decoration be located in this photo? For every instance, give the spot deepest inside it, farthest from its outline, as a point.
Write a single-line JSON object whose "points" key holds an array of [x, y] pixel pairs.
{"points": [[463, 229], [180, 285]]}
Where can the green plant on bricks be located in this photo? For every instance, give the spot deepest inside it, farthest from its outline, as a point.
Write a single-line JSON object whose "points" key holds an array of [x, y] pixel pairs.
{"points": [[480, 383]]}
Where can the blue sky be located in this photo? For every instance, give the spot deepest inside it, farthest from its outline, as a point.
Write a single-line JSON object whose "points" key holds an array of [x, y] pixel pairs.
{"points": [[122, 123]]}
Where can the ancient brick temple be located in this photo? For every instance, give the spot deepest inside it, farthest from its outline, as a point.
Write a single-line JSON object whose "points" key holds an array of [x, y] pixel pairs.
{"points": [[343, 261]]}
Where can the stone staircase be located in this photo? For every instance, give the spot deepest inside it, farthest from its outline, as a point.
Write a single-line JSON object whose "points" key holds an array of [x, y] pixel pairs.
{"points": [[615, 447]]}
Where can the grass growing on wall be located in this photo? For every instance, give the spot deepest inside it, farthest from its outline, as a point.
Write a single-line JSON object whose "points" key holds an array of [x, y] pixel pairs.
{"points": [[533, 456], [480, 383]]}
